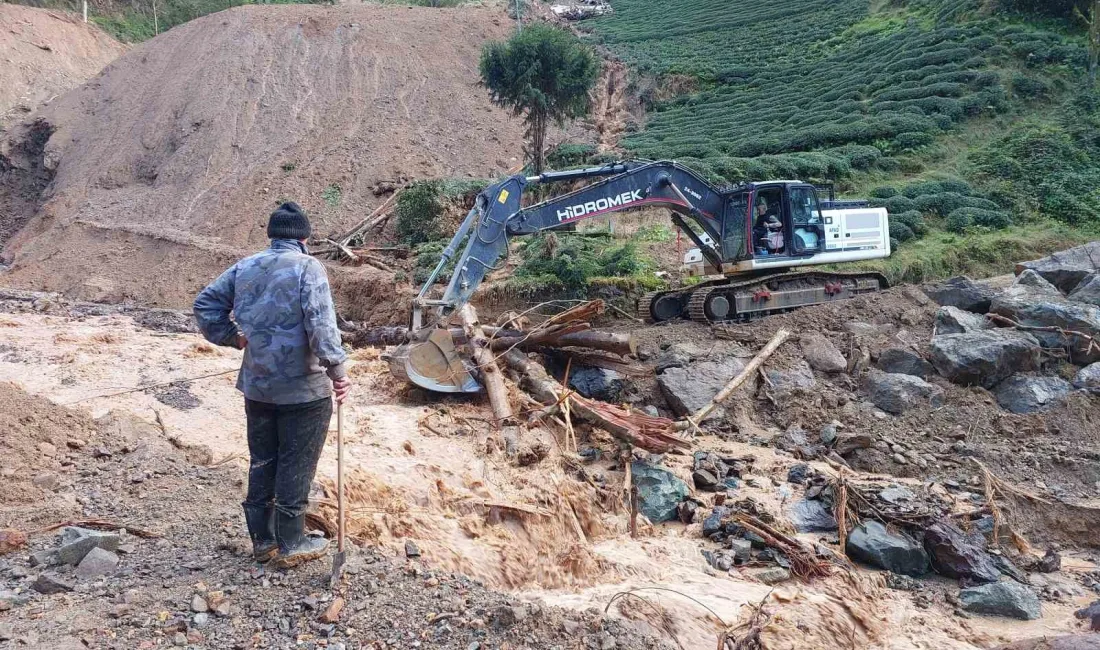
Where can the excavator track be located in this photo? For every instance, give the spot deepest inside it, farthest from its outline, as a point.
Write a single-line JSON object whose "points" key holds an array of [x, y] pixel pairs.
{"points": [[731, 301], [662, 306]]}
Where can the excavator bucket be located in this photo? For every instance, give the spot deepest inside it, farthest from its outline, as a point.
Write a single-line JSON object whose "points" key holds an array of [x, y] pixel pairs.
{"points": [[433, 364]]}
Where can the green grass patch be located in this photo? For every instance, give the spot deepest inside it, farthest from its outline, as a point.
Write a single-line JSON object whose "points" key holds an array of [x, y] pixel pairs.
{"points": [[978, 253]]}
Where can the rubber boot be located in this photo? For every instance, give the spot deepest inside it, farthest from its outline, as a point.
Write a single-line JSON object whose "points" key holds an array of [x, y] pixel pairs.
{"points": [[294, 546], [261, 529]]}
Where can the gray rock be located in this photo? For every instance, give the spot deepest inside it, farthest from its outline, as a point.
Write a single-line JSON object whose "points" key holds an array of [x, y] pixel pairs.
{"points": [[598, 383], [822, 355], [97, 562], [50, 584], [199, 604], [798, 377], [45, 557], [411, 549], [201, 620], [984, 358], [78, 542], [1029, 394], [6, 633], [1088, 378], [846, 443], [798, 473], [690, 388], [811, 516], [871, 543], [955, 555], [1069, 316], [961, 292], [659, 490], [952, 320], [1030, 278], [742, 551], [1066, 269], [896, 393], [678, 355], [1088, 290], [1008, 598], [900, 361]]}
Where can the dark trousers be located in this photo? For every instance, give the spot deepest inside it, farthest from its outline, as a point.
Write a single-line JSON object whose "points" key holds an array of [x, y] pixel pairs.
{"points": [[285, 443]]}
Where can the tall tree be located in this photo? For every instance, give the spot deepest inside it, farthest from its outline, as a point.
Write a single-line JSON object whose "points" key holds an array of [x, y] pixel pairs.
{"points": [[543, 73], [1093, 21]]}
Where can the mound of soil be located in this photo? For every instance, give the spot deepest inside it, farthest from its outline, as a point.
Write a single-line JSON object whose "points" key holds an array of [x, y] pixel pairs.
{"points": [[45, 54], [166, 167], [36, 439]]}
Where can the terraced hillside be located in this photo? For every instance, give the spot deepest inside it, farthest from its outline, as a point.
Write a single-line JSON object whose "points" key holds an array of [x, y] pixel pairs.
{"points": [[964, 117]]}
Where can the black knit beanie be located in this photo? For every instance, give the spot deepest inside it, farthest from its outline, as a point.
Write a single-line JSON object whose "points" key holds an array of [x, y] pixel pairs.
{"points": [[288, 222]]}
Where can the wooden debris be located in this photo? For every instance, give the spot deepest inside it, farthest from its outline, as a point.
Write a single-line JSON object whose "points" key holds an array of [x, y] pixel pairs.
{"points": [[332, 612], [492, 378], [99, 524], [654, 434], [804, 562]]}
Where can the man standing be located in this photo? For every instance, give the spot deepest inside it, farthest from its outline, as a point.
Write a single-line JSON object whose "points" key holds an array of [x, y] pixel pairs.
{"points": [[276, 306]]}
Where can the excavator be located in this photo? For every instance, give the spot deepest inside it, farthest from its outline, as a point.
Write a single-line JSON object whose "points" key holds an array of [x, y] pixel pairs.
{"points": [[752, 239]]}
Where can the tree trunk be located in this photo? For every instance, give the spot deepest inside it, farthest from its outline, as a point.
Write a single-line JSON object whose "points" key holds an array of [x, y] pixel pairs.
{"points": [[490, 371], [1094, 42], [536, 135]]}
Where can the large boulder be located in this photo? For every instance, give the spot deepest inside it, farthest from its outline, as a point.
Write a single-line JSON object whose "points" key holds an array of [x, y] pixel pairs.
{"points": [[822, 355], [1008, 598], [812, 516], [961, 292], [955, 555], [688, 389], [1088, 378], [1037, 282], [897, 393], [871, 543], [1088, 290], [1028, 394], [906, 362], [785, 381], [1066, 269], [952, 320], [984, 358], [1061, 314], [659, 490]]}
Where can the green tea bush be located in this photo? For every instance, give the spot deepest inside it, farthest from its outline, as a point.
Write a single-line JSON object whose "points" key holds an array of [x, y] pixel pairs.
{"points": [[963, 218]]}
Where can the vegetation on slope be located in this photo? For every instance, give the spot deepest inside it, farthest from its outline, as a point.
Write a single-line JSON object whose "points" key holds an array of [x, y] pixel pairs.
{"points": [[963, 117]]}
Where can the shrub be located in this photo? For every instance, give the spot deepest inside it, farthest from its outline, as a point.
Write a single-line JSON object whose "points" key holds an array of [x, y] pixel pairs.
{"points": [[963, 217], [908, 141], [912, 220], [1027, 87], [901, 232], [884, 192], [941, 204], [418, 213]]}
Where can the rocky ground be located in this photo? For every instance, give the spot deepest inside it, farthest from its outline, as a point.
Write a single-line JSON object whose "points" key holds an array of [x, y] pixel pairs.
{"points": [[179, 572], [970, 524]]}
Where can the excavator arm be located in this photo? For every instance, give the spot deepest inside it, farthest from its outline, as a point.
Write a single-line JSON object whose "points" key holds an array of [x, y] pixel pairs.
{"points": [[498, 216]]}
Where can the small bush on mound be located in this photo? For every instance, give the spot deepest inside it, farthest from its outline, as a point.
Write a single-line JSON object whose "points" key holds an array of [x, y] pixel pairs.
{"points": [[963, 218], [574, 263], [884, 192], [900, 232], [568, 155], [913, 220], [419, 213], [941, 204]]}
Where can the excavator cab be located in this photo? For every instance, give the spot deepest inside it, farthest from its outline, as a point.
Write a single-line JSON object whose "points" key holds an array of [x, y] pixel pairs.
{"points": [[787, 220]]}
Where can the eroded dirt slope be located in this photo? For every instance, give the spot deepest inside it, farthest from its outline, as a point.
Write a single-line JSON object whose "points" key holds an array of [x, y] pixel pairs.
{"points": [[44, 54], [166, 167]]}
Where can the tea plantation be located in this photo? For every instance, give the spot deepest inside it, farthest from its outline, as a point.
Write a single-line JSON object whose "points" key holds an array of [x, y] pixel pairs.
{"points": [[958, 115]]}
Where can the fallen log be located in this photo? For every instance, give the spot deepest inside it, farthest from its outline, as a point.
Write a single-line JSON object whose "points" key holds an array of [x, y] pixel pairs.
{"points": [[373, 219], [693, 421], [654, 434], [573, 336], [492, 378], [621, 344]]}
